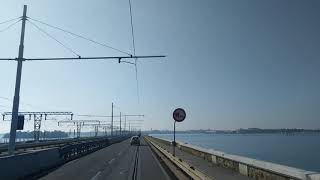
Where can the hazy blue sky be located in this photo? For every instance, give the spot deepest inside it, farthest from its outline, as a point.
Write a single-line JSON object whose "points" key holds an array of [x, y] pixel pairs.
{"points": [[231, 64]]}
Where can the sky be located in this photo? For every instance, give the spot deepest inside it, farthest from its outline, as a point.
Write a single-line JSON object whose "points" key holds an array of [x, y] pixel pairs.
{"points": [[230, 64]]}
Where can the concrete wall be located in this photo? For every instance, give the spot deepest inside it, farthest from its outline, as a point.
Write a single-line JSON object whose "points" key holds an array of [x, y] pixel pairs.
{"points": [[256, 169], [19, 166], [25, 165]]}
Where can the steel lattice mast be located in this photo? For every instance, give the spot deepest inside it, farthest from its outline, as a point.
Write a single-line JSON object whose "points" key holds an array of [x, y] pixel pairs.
{"points": [[37, 118]]}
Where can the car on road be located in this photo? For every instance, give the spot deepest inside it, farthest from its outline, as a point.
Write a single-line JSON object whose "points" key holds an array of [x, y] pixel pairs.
{"points": [[135, 140]]}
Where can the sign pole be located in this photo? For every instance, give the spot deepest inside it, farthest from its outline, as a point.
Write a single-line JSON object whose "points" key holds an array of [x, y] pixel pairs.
{"points": [[178, 115], [174, 138], [16, 99]]}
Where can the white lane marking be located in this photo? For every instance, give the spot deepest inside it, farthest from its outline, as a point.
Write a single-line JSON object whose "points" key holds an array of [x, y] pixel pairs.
{"points": [[95, 177], [111, 161], [123, 171]]}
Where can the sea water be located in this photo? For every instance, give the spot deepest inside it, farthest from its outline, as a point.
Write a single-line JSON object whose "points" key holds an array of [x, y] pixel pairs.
{"points": [[300, 150]]}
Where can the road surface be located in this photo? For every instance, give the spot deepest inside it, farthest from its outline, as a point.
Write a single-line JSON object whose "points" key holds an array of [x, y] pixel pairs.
{"points": [[114, 162]]}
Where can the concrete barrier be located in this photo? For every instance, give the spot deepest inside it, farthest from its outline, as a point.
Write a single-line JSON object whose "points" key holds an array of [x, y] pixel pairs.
{"points": [[256, 169], [23, 165], [28, 164]]}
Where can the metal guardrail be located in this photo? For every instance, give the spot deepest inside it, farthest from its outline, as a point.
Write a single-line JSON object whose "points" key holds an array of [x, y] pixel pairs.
{"points": [[73, 151], [184, 166], [251, 168], [51, 143]]}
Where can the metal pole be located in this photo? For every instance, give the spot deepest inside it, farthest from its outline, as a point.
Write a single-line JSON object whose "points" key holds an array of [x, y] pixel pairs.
{"points": [[112, 119], [120, 123], [15, 107], [174, 139], [129, 128], [125, 123]]}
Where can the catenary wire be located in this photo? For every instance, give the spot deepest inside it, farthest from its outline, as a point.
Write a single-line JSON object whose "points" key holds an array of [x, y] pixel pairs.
{"points": [[3, 22], [80, 36], [8, 27], [134, 51], [59, 42]]}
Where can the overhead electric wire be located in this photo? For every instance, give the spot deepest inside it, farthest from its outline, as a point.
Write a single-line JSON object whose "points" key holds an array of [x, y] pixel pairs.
{"points": [[78, 56], [134, 51], [90, 58], [5, 106], [128, 62], [46, 33], [87, 115], [84, 58], [8, 99], [80, 36], [3, 22], [93, 115], [21, 102], [132, 31], [8, 27]]}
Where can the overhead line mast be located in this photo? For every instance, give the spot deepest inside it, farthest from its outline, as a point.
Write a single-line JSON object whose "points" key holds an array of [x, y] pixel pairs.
{"points": [[16, 99], [20, 59]]}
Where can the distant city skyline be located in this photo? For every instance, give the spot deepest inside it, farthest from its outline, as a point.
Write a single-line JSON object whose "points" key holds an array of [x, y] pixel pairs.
{"points": [[230, 64]]}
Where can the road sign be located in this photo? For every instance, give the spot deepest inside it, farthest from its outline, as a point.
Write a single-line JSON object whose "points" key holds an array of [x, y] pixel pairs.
{"points": [[179, 114]]}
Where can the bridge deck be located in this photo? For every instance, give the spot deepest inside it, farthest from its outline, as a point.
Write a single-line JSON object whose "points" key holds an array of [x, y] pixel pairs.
{"points": [[114, 162], [118, 161]]}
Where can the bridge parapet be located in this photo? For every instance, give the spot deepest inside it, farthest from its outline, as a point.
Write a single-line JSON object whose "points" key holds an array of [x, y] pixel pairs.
{"points": [[252, 168], [34, 162]]}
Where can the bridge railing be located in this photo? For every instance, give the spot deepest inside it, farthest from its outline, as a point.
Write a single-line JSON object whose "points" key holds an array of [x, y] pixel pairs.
{"points": [[73, 151], [30, 163], [256, 169], [44, 144]]}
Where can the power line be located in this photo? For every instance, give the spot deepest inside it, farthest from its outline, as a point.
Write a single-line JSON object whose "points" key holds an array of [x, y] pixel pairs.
{"points": [[8, 27], [132, 31], [86, 58], [80, 36], [137, 80], [5, 98], [21, 103], [7, 59], [128, 62], [46, 33], [123, 115], [91, 58], [5, 106], [10, 20], [134, 51]]}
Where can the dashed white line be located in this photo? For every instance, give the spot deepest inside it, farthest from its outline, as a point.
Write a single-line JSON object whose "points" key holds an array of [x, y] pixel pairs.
{"points": [[95, 177], [111, 161]]}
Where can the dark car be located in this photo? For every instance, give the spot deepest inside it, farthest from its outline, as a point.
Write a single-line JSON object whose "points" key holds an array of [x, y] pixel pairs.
{"points": [[135, 140]]}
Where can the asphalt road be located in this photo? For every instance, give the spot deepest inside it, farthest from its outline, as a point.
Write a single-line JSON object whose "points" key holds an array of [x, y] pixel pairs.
{"points": [[114, 162]]}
